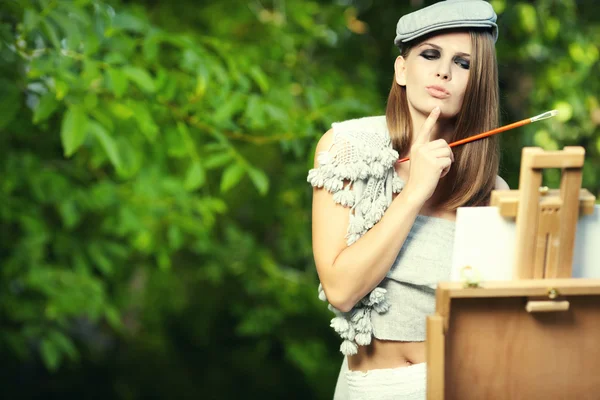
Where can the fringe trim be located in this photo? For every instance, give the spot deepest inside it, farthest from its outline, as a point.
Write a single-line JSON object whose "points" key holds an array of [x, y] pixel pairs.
{"points": [[371, 174]]}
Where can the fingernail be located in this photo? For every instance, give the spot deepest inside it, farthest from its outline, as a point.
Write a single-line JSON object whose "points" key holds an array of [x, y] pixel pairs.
{"points": [[436, 110]]}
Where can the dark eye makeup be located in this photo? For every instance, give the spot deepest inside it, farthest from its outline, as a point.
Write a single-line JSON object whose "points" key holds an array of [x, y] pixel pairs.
{"points": [[433, 54]]}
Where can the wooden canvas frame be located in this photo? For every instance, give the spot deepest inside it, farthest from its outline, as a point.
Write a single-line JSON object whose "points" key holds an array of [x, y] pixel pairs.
{"points": [[526, 339]]}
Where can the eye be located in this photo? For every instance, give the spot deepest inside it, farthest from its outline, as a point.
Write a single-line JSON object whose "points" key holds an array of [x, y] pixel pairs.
{"points": [[430, 54], [461, 62]]}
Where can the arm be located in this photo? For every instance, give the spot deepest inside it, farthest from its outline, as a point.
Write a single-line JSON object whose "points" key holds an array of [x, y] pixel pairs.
{"points": [[348, 273]]}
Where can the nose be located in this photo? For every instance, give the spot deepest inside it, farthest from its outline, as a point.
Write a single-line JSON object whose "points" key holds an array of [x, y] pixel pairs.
{"points": [[444, 72]]}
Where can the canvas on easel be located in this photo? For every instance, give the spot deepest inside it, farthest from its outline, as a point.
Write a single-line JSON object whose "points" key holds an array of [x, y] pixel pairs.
{"points": [[474, 246], [536, 335]]}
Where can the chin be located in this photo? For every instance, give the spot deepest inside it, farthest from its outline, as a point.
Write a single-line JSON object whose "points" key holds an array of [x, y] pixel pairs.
{"points": [[425, 107], [447, 111]]}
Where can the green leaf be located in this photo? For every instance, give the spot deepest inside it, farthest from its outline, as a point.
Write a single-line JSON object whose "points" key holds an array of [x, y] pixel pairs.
{"points": [[143, 242], [260, 78], [113, 318], [260, 180], [115, 59], [150, 47], [141, 78], [118, 81], [232, 176], [61, 88], [195, 177], [498, 5], [201, 81], [51, 32], [74, 129], [121, 110], [175, 237], [10, 102], [234, 103], [565, 111], [217, 205], [163, 260], [528, 17], [131, 156], [30, 19], [129, 22], [107, 143], [551, 27], [145, 120], [306, 354], [99, 258], [255, 112], [69, 213], [64, 343], [102, 116], [90, 100], [51, 355], [217, 160], [69, 27], [543, 139], [175, 144]]}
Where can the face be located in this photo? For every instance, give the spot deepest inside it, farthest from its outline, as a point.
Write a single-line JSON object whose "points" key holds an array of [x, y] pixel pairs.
{"points": [[436, 72]]}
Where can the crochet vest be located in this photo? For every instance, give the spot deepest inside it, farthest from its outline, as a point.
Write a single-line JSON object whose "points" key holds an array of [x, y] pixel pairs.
{"points": [[362, 154]]}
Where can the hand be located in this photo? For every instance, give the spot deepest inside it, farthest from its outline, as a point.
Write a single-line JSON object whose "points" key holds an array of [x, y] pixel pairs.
{"points": [[429, 161]]}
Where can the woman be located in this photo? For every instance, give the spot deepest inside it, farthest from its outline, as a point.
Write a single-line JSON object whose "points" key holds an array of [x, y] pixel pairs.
{"points": [[383, 231]]}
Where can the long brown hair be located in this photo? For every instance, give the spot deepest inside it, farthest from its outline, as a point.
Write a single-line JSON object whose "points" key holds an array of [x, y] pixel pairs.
{"points": [[472, 177]]}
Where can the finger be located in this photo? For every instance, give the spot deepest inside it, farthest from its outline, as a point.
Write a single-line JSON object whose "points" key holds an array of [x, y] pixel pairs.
{"points": [[425, 131], [436, 144], [443, 152], [444, 172], [440, 144], [444, 164]]}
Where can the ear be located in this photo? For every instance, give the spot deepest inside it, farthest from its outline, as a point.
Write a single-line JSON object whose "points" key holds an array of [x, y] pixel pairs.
{"points": [[400, 70]]}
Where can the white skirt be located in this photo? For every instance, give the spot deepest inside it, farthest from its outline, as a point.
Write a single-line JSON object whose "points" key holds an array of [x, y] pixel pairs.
{"points": [[405, 383]]}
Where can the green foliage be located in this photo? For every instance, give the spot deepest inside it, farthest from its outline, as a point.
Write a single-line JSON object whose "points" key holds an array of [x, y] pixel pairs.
{"points": [[153, 204], [148, 166], [552, 65]]}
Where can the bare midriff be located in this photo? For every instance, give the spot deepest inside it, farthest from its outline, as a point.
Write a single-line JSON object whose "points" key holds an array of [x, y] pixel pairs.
{"points": [[383, 354]]}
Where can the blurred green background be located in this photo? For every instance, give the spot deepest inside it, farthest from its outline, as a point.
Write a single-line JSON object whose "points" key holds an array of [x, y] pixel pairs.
{"points": [[154, 210]]}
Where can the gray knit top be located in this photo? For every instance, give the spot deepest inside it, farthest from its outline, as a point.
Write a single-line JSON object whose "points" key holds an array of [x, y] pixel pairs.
{"points": [[362, 154]]}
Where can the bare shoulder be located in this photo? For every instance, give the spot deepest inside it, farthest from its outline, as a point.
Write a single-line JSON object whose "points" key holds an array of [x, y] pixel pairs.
{"points": [[325, 141], [323, 145], [501, 184]]}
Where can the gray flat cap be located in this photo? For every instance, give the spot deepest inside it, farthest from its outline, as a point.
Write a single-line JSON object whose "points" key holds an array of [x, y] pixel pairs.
{"points": [[445, 15]]}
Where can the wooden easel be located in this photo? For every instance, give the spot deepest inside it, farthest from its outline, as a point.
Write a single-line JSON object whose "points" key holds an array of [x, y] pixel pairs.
{"points": [[538, 336]]}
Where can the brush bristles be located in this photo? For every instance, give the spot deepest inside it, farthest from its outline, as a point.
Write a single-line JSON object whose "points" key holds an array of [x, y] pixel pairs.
{"points": [[547, 114]]}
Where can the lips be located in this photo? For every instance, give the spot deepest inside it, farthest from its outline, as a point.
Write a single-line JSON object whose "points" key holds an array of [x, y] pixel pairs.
{"points": [[438, 92]]}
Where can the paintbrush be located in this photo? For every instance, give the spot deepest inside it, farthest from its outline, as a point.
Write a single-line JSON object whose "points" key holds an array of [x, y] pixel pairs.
{"points": [[546, 115]]}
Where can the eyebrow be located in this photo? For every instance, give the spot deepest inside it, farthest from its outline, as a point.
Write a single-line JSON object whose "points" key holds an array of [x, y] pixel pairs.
{"points": [[440, 49]]}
